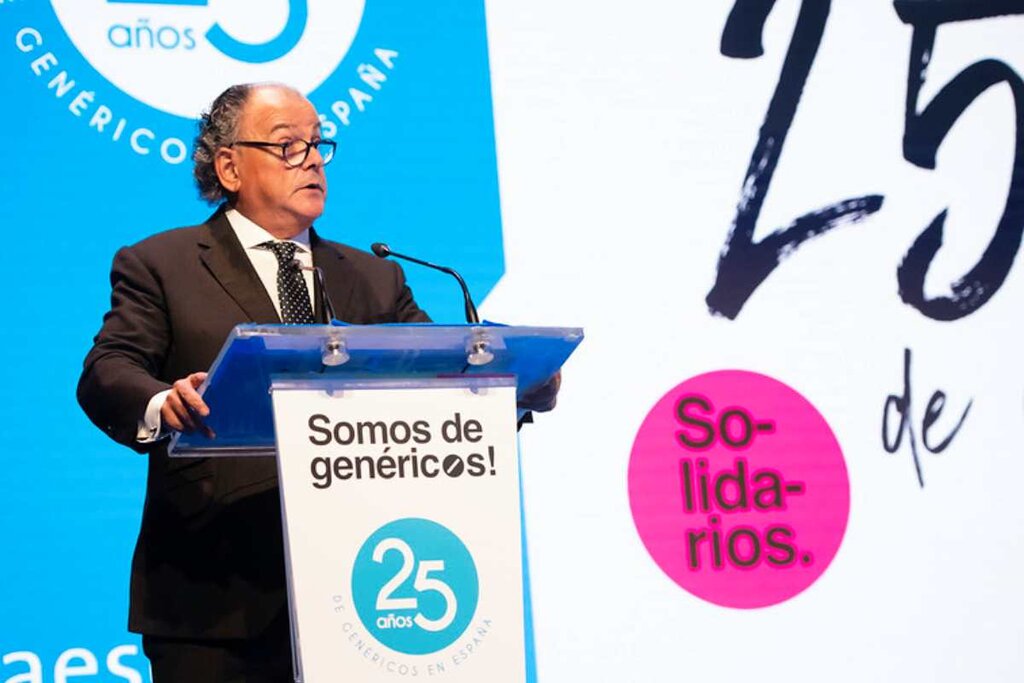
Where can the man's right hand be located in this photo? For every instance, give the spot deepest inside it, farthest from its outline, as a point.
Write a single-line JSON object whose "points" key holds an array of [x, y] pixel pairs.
{"points": [[184, 409]]}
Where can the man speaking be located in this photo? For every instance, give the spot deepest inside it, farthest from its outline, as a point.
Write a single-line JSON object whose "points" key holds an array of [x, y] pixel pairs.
{"points": [[208, 585]]}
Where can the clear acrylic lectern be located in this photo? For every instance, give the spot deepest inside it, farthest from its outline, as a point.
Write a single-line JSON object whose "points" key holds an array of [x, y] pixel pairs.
{"points": [[462, 515], [238, 386]]}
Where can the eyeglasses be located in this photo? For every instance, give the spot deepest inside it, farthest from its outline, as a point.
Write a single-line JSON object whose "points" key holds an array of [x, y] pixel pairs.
{"points": [[295, 152]]}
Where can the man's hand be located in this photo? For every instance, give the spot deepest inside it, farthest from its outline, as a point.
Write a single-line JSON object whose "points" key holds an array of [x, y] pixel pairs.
{"points": [[542, 397], [184, 409]]}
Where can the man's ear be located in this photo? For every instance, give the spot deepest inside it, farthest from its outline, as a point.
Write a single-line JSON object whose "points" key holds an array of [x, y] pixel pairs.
{"points": [[227, 170]]}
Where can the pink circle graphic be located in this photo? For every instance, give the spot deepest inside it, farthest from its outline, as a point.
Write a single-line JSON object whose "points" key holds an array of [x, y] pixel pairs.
{"points": [[738, 489]]}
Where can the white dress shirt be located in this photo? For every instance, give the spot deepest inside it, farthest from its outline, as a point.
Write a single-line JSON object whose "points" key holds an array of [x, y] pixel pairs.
{"points": [[265, 263]]}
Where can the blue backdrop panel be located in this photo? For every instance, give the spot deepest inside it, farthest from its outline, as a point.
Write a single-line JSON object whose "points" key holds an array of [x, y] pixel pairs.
{"points": [[416, 168]]}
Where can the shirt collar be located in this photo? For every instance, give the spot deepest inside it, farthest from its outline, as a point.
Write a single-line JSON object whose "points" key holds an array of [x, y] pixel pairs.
{"points": [[252, 235]]}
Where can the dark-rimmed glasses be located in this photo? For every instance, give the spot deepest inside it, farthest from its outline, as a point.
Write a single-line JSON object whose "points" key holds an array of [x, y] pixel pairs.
{"points": [[294, 152]]}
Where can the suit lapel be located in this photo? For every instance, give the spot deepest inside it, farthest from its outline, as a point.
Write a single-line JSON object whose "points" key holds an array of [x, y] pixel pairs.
{"points": [[225, 258], [338, 276]]}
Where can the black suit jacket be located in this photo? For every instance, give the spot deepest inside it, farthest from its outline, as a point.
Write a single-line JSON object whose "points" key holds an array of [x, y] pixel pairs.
{"points": [[209, 558]]}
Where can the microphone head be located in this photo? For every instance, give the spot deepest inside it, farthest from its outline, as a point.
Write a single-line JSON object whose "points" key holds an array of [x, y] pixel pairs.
{"points": [[380, 249]]}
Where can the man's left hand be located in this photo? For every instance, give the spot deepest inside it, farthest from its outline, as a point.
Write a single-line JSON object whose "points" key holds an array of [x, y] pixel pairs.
{"points": [[542, 397]]}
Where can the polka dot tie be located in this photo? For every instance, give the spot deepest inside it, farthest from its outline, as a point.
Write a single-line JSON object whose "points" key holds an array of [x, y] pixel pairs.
{"points": [[291, 286]]}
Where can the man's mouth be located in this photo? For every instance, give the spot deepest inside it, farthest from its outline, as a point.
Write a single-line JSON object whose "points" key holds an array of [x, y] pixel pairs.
{"points": [[313, 186]]}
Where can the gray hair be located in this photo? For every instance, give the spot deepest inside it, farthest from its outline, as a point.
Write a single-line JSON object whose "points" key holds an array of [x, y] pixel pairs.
{"points": [[218, 127]]}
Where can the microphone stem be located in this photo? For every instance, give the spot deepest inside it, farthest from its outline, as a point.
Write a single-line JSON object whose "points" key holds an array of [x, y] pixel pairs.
{"points": [[471, 315], [325, 298]]}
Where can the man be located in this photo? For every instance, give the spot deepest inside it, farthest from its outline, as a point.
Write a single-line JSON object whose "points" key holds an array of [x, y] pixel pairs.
{"points": [[207, 589]]}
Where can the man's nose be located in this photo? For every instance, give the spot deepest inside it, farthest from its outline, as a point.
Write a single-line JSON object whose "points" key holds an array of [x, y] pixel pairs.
{"points": [[314, 159]]}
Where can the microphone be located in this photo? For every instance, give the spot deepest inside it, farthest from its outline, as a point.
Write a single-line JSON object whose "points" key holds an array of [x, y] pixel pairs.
{"points": [[325, 298], [383, 251]]}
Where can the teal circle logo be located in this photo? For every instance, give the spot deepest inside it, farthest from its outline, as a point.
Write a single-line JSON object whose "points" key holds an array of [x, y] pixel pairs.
{"points": [[175, 55], [415, 586]]}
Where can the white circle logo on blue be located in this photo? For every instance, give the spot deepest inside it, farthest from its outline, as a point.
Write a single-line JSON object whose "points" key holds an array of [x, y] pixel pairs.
{"points": [[415, 586], [174, 55]]}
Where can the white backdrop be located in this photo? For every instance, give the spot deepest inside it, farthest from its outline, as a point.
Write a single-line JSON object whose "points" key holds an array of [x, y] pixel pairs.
{"points": [[623, 137]]}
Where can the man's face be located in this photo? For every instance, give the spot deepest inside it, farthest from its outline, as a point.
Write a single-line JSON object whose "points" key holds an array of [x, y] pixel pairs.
{"points": [[284, 201]]}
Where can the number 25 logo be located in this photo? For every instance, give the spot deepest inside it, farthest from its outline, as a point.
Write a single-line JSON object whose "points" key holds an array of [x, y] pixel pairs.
{"points": [[744, 264], [422, 583]]}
